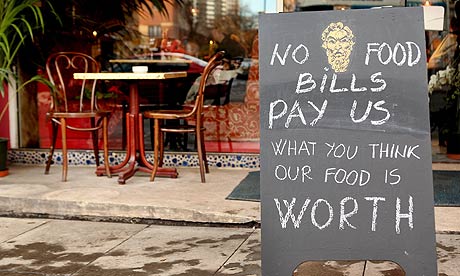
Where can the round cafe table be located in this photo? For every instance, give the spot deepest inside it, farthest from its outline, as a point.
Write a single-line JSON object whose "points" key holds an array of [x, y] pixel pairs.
{"points": [[135, 151]]}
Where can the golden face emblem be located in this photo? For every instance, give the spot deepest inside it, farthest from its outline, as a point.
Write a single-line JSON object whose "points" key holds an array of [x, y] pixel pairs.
{"points": [[338, 40]]}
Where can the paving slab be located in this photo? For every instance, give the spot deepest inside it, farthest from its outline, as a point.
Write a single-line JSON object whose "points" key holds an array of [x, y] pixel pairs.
{"points": [[62, 247], [170, 250], [448, 251], [13, 227], [245, 261], [383, 268]]}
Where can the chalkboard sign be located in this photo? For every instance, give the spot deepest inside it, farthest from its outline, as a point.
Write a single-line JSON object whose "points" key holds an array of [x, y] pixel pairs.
{"points": [[345, 140]]}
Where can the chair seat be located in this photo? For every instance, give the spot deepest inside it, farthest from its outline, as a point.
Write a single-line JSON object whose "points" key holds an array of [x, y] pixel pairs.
{"points": [[181, 128], [79, 115], [167, 114]]}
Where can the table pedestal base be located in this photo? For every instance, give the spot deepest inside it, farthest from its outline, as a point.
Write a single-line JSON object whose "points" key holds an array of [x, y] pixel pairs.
{"points": [[135, 156], [126, 172]]}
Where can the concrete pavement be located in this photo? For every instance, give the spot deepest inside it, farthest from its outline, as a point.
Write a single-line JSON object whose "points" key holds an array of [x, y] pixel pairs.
{"points": [[96, 245], [39, 247], [65, 247], [28, 190]]}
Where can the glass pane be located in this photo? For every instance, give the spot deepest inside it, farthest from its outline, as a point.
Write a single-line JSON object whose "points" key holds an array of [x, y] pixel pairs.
{"points": [[193, 32]]}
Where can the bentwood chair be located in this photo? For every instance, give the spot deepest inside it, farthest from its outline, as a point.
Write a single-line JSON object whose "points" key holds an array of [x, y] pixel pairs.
{"points": [[74, 104], [193, 114]]}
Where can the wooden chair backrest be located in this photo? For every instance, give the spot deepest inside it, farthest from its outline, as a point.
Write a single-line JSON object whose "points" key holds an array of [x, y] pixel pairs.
{"points": [[215, 61], [71, 95]]}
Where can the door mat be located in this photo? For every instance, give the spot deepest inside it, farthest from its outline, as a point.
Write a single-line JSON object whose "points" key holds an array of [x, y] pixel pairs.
{"points": [[446, 186], [248, 189]]}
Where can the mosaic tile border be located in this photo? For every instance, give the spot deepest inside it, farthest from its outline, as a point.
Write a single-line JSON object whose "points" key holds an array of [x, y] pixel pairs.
{"points": [[172, 159]]}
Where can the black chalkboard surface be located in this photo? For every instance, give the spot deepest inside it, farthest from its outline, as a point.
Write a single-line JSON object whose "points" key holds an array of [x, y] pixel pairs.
{"points": [[345, 141]]}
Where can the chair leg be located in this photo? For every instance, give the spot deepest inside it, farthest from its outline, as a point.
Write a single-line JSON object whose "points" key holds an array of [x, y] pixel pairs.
{"points": [[54, 127], [156, 145], [95, 136], [203, 148], [199, 144], [162, 148], [105, 131], [65, 160], [185, 136], [124, 129], [152, 129]]}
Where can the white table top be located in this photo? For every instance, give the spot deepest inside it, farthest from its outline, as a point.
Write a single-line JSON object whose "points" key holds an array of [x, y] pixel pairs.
{"points": [[130, 76]]}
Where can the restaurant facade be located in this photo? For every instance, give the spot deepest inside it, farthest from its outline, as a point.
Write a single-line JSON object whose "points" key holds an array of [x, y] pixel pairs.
{"points": [[231, 115]]}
